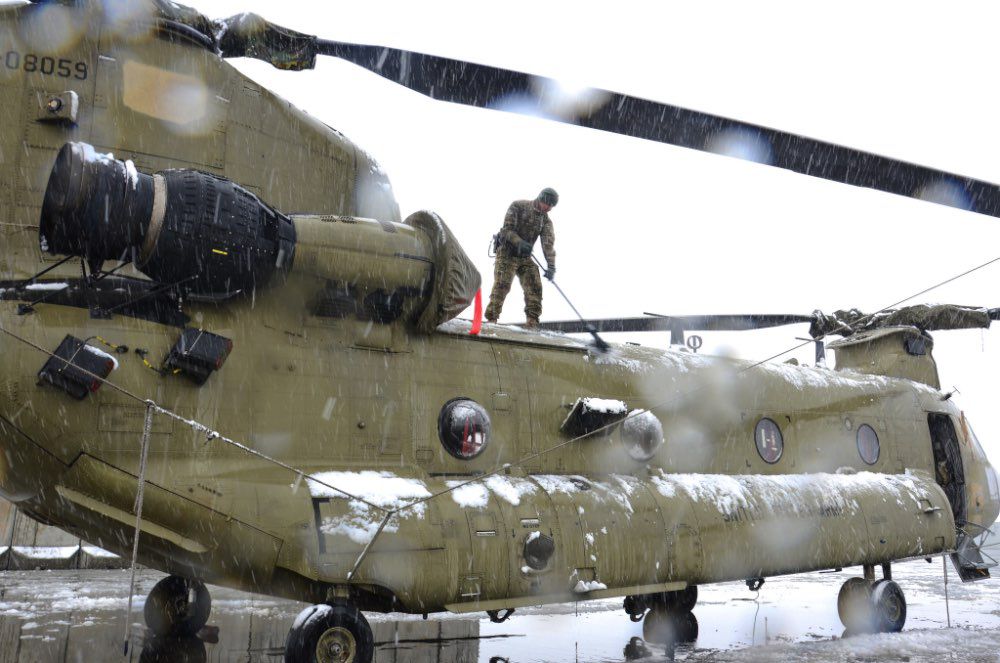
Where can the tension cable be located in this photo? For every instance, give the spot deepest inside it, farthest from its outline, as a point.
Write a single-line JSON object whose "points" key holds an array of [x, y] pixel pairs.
{"points": [[210, 434], [139, 494]]}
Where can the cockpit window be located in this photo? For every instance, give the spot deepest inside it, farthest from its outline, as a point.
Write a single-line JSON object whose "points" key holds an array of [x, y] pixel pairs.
{"points": [[970, 435], [991, 480], [373, 196]]}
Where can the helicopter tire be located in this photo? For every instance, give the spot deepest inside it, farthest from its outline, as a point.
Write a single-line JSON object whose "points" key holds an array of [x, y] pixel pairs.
{"points": [[663, 627], [888, 606], [854, 605], [186, 648], [177, 606], [335, 633], [687, 627]]}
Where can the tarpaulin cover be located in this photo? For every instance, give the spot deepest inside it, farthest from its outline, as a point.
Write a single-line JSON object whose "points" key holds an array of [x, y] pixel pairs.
{"points": [[927, 317], [456, 279], [246, 35]]}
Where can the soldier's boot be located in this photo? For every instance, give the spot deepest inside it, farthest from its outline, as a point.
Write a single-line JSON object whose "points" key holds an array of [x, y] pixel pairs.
{"points": [[532, 323], [492, 312], [491, 320]]}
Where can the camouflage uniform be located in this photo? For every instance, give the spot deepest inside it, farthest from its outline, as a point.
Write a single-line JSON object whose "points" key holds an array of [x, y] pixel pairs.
{"points": [[523, 222]]}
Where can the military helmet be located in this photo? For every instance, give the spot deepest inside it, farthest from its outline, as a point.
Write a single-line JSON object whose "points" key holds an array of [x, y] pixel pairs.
{"points": [[548, 196]]}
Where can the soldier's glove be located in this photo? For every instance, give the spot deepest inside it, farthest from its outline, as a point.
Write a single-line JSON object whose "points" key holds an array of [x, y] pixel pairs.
{"points": [[550, 273], [523, 249]]}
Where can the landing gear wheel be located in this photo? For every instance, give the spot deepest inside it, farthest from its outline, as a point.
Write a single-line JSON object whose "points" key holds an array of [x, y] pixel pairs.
{"points": [[888, 606], [687, 627], [177, 606], [662, 627], [658, 628], [186, 648], [854, 605], [336, 633]]}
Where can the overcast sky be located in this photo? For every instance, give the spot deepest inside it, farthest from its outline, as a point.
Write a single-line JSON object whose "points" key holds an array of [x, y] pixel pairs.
{"points": [[648, 227]]}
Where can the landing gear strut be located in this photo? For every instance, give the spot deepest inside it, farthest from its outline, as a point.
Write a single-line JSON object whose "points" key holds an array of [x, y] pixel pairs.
{"points": [[177, 606], [334, 633], [867, 605], [680, 601]]}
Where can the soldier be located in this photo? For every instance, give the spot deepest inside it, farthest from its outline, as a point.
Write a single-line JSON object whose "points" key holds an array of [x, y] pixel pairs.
{"points": [[526, 220]]}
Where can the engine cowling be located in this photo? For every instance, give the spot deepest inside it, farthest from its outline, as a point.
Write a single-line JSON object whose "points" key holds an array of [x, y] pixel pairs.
{"points": [[206, 235]]}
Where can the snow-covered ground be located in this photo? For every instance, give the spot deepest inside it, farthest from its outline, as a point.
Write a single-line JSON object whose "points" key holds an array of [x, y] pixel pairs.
{"points": [[78, 616]]}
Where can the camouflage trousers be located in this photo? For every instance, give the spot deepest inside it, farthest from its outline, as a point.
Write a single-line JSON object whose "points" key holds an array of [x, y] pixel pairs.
{"points": [[526, 271]]}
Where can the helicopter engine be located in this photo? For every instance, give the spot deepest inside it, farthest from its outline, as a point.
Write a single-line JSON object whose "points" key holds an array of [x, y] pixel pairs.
{"points": [[206, 236], [178, 226]]}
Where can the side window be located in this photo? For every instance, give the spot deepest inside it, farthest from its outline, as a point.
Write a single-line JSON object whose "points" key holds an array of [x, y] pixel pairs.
{"points": [[464, 428], [868, 444], [642, 434], [770, 443]]}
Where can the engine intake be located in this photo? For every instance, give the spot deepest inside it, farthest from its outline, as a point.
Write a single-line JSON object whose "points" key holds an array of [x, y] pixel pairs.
{"points": [[207, 234]]}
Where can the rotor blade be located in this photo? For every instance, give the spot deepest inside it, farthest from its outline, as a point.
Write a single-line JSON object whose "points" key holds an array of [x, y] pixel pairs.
{"points": [[737, 322], [929, 317], [672, 323], [484, 86], [607, 325]]}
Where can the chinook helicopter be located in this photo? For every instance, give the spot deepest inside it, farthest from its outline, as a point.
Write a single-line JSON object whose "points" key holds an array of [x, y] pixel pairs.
{"points": [[286, 403]]}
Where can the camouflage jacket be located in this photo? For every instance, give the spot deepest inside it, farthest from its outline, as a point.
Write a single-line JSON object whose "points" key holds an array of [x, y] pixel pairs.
{"points": [[524, 222]]}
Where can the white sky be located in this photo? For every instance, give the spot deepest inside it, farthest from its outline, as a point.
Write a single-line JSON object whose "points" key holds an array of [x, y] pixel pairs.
{"points": [[648, 227]]}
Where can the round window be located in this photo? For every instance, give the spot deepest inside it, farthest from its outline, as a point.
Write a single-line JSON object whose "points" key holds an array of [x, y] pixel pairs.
{"points": [[538, 549], [868, 446], [769, 441], [642, 434], [464, 428]]}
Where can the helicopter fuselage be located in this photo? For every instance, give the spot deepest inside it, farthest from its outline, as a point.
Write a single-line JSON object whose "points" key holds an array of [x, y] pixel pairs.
{"points": [[357, 403]]}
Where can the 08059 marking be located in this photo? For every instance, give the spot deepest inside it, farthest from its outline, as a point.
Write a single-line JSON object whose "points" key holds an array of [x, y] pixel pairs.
{"points": [[45, 64]]}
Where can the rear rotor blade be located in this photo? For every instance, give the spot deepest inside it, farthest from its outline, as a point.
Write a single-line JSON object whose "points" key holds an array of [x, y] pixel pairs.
{"points": [[736, 322], [927, 317], [607, 325], [484, 86]]}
